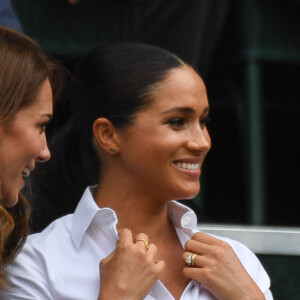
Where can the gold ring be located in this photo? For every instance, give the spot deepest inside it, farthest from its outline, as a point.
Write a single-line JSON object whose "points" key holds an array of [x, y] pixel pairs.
{"points": [[145, 242], [193, 259], [190, 260]]}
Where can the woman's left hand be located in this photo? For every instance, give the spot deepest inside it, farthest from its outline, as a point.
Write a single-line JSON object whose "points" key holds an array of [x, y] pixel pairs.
{"points": [[219, 270], [131, 270]]}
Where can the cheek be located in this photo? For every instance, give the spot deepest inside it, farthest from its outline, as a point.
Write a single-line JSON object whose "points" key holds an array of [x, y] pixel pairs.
{"points": [[10, 186], [151, 143], [32, 145], [159, 146], [145, 152]]}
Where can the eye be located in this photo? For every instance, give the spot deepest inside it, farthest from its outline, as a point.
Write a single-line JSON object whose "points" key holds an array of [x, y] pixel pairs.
{"points": [[42, 128], [204, 121], [177, 123]]}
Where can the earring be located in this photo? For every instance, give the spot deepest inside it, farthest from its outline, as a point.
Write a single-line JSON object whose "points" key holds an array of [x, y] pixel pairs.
{"points": [[112, 149]]}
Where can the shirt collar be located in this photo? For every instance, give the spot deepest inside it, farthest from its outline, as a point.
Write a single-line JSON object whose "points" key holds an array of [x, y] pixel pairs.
{"points": [[87, 213], [182, 216]]}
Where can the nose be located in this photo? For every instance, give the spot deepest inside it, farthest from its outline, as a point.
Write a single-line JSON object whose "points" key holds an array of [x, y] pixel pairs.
{"points": [[199, 140], [44, 154]]}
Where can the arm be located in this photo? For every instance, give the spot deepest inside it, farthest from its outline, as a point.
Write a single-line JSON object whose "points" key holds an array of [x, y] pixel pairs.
{"points": [[131, 270], [220, 270]]}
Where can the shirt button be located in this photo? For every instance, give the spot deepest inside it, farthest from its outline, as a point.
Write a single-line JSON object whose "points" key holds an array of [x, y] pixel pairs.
{"points": [[186, 221]]}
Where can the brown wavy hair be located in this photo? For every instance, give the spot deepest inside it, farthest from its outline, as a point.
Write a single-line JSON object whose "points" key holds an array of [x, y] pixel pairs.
{"points": [[23, 69]]}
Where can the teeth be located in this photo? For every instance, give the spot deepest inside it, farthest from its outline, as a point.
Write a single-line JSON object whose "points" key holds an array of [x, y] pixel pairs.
{"points": [[26, 172], [187, 166]]}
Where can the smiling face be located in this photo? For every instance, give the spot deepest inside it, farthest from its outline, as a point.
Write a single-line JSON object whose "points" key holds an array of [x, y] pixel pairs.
{"points": [[23, 143], [163, 150]]}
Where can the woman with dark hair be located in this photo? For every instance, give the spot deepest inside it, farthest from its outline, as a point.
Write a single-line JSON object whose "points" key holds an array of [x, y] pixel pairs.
{"points": [[143, 112], [29, 84]]}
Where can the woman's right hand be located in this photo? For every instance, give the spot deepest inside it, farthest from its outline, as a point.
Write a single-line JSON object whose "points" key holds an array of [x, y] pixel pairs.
{"points": [[131, 270]]}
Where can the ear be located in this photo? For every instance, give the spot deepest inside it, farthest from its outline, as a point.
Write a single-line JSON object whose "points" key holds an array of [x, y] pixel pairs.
{"points": [[104, 133]]}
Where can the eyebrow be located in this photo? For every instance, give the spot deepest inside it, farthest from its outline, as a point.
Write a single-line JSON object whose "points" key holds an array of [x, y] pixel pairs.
{"points": [[187, 110], [49, 116]]}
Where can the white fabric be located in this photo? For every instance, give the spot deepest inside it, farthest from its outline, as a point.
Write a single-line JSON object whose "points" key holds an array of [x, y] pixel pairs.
{"points": [[62, 262]]}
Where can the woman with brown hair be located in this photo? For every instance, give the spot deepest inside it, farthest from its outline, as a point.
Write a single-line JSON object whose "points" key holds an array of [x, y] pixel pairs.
{"points": [[25, 109], [29, 84]]}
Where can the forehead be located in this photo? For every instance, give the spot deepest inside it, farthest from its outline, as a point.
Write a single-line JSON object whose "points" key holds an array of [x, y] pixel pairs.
{"points": [[44, 95], [43, 98], [41, 105], [181, 86]]}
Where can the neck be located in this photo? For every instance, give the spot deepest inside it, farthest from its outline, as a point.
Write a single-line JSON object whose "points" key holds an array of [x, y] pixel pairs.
{"points": [[135, 210]]}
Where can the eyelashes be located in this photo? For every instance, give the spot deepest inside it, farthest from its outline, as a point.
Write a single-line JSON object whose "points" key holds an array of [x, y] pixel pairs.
{"points": [[179, 123], [42, 127], [205, 120]]}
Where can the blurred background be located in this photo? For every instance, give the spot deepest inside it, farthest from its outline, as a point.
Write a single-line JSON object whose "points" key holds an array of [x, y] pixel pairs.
{"points": [[248, 52]]}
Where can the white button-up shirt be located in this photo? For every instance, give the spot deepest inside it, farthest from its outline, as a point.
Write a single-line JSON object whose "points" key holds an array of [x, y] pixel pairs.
{"points": [[62, 262]]}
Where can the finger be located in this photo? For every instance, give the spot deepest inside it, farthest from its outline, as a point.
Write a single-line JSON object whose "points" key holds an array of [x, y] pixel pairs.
{"points": [[196, 247], [199, 260], [185, 256], [125, 235], [194, 273], [160, 266], [108, 258], [142, 239], [152, 252], [141, 236], [189, 259], [205, 238]]}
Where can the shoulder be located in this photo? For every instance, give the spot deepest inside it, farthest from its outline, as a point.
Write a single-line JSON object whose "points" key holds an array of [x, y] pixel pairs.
{"points": [[60, 224], [28, 274], [44, 243]]}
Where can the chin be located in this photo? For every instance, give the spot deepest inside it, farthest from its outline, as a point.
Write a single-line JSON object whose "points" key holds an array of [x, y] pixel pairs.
{"points": [[189, 194], [190, 197], [10, 200], [193, 191]]}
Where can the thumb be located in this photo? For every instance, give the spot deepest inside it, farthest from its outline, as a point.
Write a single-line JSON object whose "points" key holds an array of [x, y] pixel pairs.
{"points": [[107, 259]]}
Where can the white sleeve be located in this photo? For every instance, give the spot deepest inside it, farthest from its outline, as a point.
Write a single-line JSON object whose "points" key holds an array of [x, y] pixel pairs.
{"points": [[26, 278], [259, 275]]}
